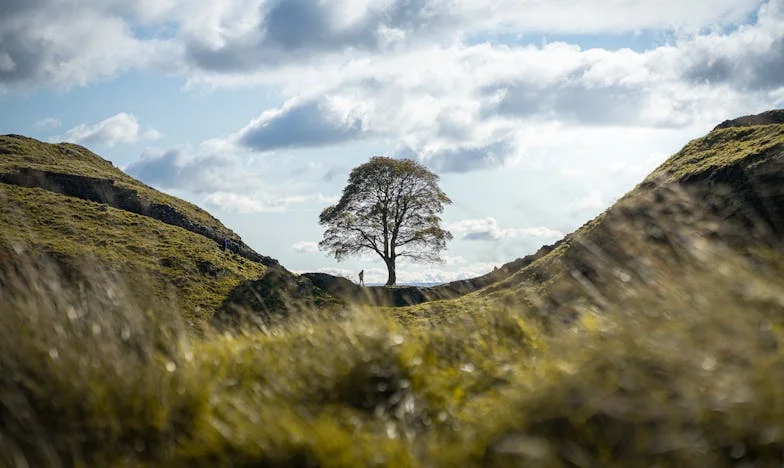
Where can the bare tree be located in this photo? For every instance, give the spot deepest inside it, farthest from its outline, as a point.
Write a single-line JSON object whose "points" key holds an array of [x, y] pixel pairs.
{"points": [[391, 207]]}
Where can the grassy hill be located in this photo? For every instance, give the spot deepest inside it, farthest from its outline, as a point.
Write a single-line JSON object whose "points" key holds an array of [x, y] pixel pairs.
{"points": [[722, 192], [62, 202], [651, 336]]}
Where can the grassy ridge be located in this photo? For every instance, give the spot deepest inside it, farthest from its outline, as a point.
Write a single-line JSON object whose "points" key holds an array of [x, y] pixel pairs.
{"points": [[688, 379], [173, 266], [723, 190], [22, 152], [176, 267], [721, 148], [654, 335]]}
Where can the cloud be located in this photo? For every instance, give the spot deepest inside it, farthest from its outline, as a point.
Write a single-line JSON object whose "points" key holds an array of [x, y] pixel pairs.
{"points": [[488, 229], [573, 102], [262, 201], [590, 202], [306, 247], [221, 39], [302, 123], [410, 275], [225, 177], [54, 43], [119, 128], [277, 32], [462, 107], [457, 85], [246, 204], [454, 260], [464, 158], [47, 123], [249, 35], [751, 58], [158, 168], [210, 166]]}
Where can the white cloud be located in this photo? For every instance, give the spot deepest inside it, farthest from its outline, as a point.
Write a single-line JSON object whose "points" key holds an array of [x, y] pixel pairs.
{"points": [[488, 229], [260, 202], [455, 260], [227, 41], [226, 177], [119, 128], [243, 36], [432, 76], [58, 43], [592, 201], [47, 123], [407, 274], [306, 247], [461, 107], [302, 123], [246, 204], [152, 134]]}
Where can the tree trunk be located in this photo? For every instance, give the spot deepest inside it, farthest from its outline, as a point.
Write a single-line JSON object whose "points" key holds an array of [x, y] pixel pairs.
{"points": [[392, 278]]}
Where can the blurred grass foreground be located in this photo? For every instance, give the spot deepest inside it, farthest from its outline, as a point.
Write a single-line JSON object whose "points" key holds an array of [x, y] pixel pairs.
{"points": [[652, 336]]}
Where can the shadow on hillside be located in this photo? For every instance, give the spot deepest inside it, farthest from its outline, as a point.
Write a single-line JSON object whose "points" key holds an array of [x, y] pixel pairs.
{"points": [[401, 296], [280, 294]]}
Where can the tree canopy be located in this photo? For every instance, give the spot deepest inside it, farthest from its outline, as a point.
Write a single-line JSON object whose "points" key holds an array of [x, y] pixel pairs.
{"points": [[391, 207]]}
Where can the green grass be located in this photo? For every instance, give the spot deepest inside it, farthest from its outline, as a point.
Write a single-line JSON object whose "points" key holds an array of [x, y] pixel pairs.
{"points": [[653, 228], [720, 148], [158, 261], [168, 265], [67, 158], [690, 378], [650, 337]]}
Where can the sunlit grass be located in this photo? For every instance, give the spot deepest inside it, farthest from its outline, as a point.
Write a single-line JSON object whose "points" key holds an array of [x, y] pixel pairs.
{"points": [[21, 152], [691, 378], [156, 259], [651, 337]]}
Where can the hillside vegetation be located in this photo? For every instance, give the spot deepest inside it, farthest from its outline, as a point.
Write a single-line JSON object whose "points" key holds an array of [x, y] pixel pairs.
{"points": [[22, 153], [62, 202], [722, 192], [652, 336]]}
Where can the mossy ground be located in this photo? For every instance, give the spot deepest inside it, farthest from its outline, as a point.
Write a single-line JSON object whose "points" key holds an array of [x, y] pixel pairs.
{"points": [[22, 152], [691, 378], [158, 262], [720, 148]]}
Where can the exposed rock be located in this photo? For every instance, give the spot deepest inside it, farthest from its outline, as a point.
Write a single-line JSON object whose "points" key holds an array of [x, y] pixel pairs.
{"points": [[401, 296], [210, 269], [749, 192], [106, 191], [275, 296], [765, 118]]}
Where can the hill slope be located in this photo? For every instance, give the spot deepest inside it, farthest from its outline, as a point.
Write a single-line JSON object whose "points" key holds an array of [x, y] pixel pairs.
{"points": [[725, 188], [672, 353], [724, 191], [65, 202]]}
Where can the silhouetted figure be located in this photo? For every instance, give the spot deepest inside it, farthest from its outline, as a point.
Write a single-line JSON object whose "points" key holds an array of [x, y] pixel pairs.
{"points": [[361, 277]]}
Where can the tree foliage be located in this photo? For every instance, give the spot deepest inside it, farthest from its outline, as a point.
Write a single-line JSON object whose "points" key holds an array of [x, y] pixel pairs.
{"points": [[391, 207]]}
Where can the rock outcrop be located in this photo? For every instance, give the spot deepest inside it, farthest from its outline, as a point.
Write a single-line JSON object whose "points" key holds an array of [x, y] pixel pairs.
{"points": [[107, 191], [401, 296], [765, 118], [275, 296]]}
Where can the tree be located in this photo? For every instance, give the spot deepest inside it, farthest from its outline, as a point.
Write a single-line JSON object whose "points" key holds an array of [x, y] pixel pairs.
{"points": [[391, 207]]}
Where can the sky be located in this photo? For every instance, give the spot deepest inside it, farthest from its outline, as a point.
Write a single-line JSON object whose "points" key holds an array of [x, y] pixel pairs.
{"points": [[536, 114]]}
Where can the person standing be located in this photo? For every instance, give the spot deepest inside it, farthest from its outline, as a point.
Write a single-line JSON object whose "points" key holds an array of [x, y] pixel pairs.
{"points": [[361, 277]]}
